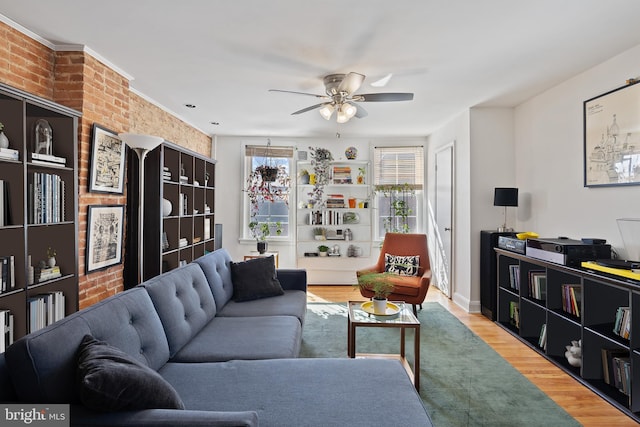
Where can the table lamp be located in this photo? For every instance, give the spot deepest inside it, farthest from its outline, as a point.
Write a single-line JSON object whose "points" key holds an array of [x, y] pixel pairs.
{"points": [[505, 197]]}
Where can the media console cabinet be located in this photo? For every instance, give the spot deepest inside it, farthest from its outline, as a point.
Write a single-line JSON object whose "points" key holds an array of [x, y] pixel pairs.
{"points": [[547, 306]]}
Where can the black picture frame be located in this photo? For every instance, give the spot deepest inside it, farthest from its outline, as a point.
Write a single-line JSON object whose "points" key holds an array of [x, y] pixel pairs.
{"points": [[106, 166], [612, 138], [104, 237]]}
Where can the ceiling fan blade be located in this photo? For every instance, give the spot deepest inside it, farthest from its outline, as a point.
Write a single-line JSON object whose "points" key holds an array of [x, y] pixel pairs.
{"points": [[360, 112], [351, 83], [384, 97], [298, 93], [383, 81], [304, 110]]}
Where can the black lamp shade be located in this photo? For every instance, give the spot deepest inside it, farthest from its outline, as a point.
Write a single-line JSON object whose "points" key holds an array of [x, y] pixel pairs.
{"points": [[505, 197]]}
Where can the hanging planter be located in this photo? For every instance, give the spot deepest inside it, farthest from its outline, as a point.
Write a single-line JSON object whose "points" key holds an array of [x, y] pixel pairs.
{"points": [[268, 173]]}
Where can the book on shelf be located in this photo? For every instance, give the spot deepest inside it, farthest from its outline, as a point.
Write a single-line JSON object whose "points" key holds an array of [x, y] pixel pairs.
{"points": [[44, 309], [207, 229], [514, 276], [616, 369], [7, 273], [342, 175], [622, 324], [6, 323], [335, 201], [48, 160], [9, 154], [571, 299], [542, 341], [514, 313], [48, 273], [46, 198], [538, 284], [4, 203]]}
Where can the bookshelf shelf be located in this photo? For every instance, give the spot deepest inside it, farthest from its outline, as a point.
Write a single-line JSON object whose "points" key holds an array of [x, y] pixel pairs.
{"points": [[580, 305], [23, 239]]}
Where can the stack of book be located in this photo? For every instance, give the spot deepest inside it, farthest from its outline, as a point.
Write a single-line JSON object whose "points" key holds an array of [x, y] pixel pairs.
{"points": [[6, 324], [48, 160], [46, 197], [538, 285], [335, 201], [7, 273], [616, 369], [571, 299], [342, 175], [166, 173], [49, 273], [622, 325], [9, 154], [183, 242], [4, 203], [44, 309]]}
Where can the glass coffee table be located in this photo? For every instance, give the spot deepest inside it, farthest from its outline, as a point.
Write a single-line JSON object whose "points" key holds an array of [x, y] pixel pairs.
{"points": [[404, 319]]}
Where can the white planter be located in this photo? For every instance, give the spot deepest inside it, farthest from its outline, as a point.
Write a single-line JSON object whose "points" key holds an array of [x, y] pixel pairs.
{"points": [[379, 306]]}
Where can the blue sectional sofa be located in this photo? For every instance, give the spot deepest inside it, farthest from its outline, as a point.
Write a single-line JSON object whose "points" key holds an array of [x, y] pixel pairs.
{"points": [[207, 358]]}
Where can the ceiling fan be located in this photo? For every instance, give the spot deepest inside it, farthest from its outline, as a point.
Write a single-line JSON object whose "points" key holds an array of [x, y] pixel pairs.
{"points": [[340, 97]]}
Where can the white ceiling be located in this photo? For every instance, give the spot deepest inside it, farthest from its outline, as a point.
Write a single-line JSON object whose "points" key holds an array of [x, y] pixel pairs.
{"points": [[224, 56]]}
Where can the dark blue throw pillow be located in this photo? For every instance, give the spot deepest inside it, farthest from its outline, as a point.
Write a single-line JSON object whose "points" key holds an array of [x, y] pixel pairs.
{"points": [[111, 380], [255, 278]]}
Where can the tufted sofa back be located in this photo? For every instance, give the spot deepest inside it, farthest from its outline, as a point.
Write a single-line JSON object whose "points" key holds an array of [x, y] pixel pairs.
{"points": [[42, 365], [184, 302], [217, 268]]}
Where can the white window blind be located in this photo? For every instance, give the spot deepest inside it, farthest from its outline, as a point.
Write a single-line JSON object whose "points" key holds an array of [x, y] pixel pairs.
{"points": [[399, 165]]}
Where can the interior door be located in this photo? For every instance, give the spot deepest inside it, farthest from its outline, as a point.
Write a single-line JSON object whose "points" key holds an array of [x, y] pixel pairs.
{"points": [[444, 218]]}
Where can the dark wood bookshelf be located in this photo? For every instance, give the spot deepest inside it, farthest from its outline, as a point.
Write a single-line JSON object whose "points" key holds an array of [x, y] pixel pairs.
{"points": [[189, 224], [601, 295], [21, 237]]}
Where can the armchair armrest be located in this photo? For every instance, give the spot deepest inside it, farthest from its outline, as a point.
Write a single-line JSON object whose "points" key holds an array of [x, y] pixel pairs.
{"points": [[367, 270], [292, 279], [82, 416]]}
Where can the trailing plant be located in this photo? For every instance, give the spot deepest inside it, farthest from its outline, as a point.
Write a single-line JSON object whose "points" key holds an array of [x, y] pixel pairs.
{"points": [[259, 190], [321, 161], [399, 195], [261, 230], [378, 283]]}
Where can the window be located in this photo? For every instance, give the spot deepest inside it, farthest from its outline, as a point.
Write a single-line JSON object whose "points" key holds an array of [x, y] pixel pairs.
{"points": [[267, 211], [399, 182]]}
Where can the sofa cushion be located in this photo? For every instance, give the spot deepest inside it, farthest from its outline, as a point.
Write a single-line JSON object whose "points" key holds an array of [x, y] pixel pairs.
{"points": [[184, 302], [111, 380], [291, 303], [325, 392], [217, 269], [226, 338], [43, 364], [254, 279]]}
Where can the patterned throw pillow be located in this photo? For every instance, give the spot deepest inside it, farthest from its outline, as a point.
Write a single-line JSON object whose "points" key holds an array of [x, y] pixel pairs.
{"points": [[401, 265]]}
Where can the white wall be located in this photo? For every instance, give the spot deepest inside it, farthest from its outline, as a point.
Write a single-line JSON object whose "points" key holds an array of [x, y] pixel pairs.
{"points": [[549, 159]]}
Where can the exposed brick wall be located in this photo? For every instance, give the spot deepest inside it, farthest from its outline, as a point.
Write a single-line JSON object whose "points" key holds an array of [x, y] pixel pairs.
{"points": [[79, 81], [25, 63], [147, 118]]}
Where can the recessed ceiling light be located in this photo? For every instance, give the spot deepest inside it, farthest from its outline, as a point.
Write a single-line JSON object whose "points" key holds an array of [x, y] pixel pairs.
{"points": [[189, 105], [215, 123]]}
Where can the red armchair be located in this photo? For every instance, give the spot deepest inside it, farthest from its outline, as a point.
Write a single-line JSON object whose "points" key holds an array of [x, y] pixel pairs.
{"points": [[410, 289]]}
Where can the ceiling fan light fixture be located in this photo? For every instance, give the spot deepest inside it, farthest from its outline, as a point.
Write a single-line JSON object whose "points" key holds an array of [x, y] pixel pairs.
{"points": [[327, 111], [349, 109]]}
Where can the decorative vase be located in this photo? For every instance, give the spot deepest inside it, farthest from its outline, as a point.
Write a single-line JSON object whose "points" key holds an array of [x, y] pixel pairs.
{"points": [[4, 141], [52, 261], [262, 246], [304, 179], [167, 207], [379, 306]]}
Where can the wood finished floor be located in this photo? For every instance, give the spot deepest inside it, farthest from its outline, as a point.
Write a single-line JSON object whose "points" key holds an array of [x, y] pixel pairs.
{"points": [[586, 407]]}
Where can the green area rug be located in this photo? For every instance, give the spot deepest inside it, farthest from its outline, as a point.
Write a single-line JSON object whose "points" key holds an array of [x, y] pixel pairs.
{"points": [[463, 381]]}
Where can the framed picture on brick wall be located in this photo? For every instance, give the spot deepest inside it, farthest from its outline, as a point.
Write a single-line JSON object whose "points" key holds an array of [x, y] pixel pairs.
{"points": [[106, 169], [104, 236]]}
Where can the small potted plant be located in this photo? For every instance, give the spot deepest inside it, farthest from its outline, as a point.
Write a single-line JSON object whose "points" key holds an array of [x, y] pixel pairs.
{"points": [[318, 233], [379, 284], [51, 257], [262, 230], [323, 250]]}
